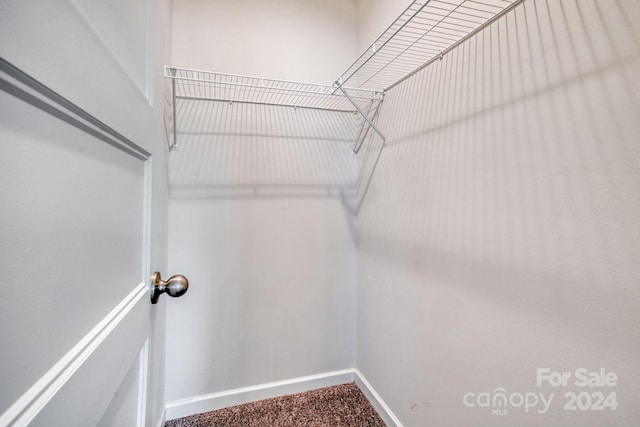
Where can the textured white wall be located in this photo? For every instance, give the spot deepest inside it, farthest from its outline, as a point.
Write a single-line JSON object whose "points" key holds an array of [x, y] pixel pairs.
{"points": [[305, 40], [260, 216], [260, 221], [500, 233], [273, 288]]}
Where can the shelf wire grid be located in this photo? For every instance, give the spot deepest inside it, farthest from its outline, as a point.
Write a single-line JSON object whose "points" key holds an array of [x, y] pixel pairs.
{"points": [[198, 85], [423, 32]]}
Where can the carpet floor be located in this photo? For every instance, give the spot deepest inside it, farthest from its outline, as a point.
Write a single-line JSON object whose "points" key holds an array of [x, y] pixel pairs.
{"points": [[339, 406]]}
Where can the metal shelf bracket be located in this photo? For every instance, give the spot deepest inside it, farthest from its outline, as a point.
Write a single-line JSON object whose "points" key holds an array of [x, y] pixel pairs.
{"points": [[338, 86], [174, 146]]}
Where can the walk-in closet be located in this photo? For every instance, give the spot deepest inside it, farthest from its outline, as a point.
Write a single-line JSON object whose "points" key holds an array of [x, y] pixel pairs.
{"points": [[320, 212]]}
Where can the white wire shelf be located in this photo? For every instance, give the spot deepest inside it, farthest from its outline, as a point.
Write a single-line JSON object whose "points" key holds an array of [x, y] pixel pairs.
{"points": [[423, 32], [198, 85], [426, 30]]}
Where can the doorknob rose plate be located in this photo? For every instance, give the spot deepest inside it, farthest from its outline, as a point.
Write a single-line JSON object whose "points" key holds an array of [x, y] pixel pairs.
{"points": [[176, 286]]}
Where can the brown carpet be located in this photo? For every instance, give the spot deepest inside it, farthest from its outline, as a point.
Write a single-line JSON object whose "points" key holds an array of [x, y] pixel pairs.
{"points": [[339, 406]]}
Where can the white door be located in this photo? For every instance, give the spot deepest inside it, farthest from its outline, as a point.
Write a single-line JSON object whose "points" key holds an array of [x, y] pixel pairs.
{"points": [[78, 184]]}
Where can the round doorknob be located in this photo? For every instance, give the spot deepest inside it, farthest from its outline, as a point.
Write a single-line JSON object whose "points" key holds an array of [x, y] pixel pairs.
{"points": [[176, 286]]}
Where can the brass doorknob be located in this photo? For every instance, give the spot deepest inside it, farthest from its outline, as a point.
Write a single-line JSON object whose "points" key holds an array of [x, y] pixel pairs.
{"points": [[176, 286]]}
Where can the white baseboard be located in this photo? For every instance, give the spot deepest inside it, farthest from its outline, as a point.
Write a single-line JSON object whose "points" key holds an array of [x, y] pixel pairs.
{"points": [[211, 402], [383, 410]]}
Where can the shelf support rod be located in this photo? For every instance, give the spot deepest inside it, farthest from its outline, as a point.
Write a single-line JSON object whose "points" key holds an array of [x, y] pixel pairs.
{"points": [[364, 116], [357, 144], [173, 108], [366, 132]]}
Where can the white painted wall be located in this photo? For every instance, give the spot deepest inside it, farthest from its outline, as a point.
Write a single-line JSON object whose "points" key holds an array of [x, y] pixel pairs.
{"points": [[305, 40], [260, 217], [272, 292], [71, 230], [500, 233], [260, 221]]}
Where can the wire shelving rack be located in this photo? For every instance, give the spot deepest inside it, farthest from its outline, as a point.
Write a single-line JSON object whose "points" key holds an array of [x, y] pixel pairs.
{"points": [[234, 88], [424, 32]]}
